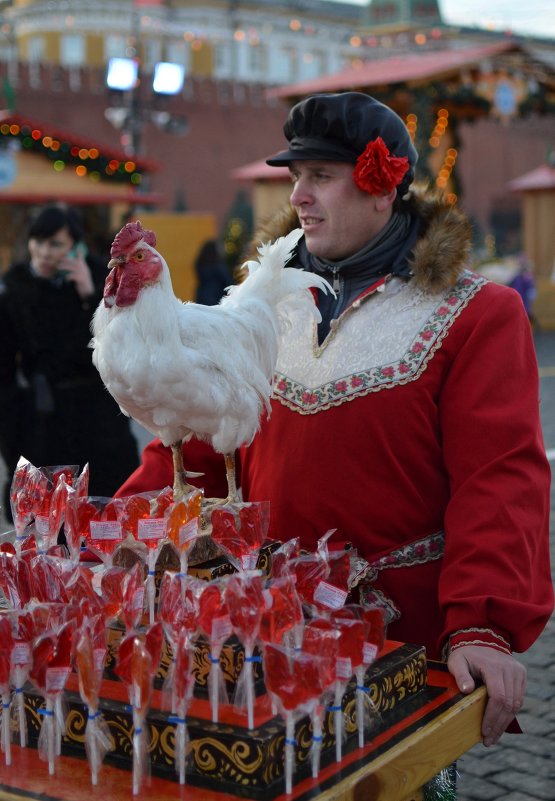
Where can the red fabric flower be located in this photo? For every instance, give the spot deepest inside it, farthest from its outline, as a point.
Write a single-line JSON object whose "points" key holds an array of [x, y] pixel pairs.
{"points": [[377, 171]]}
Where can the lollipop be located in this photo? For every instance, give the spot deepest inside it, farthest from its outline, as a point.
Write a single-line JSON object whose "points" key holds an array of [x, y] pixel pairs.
{"points": [[182, 692], [308, 571], [97, 522], [215, 623], [133, 596], [293, 678], [282, 613], [349, 657], [27, 490], [243, 595], [6, 646], [90, 653], [321, 638], [21, 660], [240, 529], [183, 523]]}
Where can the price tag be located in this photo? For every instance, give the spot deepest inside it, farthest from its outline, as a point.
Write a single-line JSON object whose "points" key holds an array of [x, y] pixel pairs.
{"points": [[152, 528], [105, 530], [221, 628], [343, 667], [21, 654], [56, 678], [369, 653], [188, 532], [329, 595]]}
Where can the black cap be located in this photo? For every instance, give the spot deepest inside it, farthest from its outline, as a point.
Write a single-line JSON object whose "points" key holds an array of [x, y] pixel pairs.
{"points": [[337, 127]]}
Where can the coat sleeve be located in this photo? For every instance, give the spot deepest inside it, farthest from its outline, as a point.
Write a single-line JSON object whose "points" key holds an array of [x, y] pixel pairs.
{"points": [[495, 586], [156, 469], [12, 400]]}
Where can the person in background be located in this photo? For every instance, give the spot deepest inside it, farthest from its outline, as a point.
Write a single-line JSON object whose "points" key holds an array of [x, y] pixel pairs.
{"points": [[408, 418], [524, 284], [213, 274], [54, 408]]}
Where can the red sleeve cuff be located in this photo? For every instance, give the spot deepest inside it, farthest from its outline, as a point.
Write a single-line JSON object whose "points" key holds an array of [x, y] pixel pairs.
{"points": [[483, 637]]}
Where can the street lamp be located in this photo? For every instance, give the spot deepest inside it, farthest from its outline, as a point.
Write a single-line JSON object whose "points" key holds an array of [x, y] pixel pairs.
{"points": [[130, 116]]}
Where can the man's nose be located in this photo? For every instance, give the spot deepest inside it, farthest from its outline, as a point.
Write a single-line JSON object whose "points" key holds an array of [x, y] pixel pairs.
{"points": [[300, 195]]}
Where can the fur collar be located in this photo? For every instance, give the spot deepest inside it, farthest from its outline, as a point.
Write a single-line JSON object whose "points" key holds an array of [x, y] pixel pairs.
{"points": [[440, 255]]}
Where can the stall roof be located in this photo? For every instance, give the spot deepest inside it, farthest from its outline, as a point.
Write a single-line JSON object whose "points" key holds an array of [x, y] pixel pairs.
{"points": [[541, 178], [259, 170], [413, 68]]}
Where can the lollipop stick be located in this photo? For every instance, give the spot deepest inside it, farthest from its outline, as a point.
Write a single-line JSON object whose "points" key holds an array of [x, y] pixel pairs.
{"points": [[49, 723], [249, 688], [289, 751], [359, 673], [137, 749], [316, 741], [20, 708], [213, 681], [181, 746], [183, 562], [150, 586], [338, 721], [6, 744], [93, 745]]}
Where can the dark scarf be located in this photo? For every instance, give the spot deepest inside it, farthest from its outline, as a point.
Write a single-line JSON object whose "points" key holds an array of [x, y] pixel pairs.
{"points": [[388, 253]]}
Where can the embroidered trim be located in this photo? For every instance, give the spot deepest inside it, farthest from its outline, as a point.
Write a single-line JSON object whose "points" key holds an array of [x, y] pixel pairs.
{"points": [[419, 552], [410, 367], [497, 641]]}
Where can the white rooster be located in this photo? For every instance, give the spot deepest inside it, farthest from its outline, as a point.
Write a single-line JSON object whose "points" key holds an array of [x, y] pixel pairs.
{"points": [[183, 369]]}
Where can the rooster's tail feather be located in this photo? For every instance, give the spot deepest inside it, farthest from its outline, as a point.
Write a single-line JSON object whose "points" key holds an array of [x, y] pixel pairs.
{"points": [[269, 280]]}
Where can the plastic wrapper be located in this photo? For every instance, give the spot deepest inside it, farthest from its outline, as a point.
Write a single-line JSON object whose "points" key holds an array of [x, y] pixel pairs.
{"points": [[133, 597], [182, 692], [178, 611], [281, 557], [15, 580], [142, 517], [6, 646], [137, 662], [308, 570], [27, 490], [245, 602], [294, 680], [21, 660], [90, 655], [282, 614], [111, 589], [215, 624], [49, 672], [96, 521], [182, 525], [240, 529]]}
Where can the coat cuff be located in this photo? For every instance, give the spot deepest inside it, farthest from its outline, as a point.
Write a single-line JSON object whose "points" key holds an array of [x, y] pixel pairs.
{"points": [[484, 637]]}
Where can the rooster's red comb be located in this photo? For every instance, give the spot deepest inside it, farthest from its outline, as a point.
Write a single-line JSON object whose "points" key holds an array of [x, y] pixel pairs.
{"points": [[130, 234]]}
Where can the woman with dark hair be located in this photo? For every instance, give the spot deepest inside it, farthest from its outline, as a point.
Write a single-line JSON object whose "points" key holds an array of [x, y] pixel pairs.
{"points": [[53, 406]]}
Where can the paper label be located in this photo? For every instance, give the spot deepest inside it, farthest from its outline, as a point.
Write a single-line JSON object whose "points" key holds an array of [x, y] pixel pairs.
{"points": [[152, 529], [221, 628], [369, 653], [329, 595], [21, 654], [343, 667], [188, 532], [41, 525], [105, 530], [56, 678]]}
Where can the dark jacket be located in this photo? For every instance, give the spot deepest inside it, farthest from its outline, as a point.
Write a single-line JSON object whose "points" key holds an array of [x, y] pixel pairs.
{"points": [[54, 408]]}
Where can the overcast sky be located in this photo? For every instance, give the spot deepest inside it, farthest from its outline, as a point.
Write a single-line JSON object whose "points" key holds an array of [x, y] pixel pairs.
{"points": [[535, 17]]}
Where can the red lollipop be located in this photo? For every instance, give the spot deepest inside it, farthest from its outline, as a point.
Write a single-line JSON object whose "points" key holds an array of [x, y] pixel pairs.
{"points": [[240, 529]]}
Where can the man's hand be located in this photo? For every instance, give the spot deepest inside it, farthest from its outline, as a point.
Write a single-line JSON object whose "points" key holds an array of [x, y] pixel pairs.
{"points": [[505, 681], [78, 271]]}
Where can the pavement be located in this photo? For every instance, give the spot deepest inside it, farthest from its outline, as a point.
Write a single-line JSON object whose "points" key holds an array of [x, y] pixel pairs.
{"points": [[520, 767]]}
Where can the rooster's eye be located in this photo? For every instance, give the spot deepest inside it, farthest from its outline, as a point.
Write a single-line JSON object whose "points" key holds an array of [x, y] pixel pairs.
{"points": [[140, 255]]}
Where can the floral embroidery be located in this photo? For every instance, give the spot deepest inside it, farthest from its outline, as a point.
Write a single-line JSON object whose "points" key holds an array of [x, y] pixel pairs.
{"points": [[407, 368]]}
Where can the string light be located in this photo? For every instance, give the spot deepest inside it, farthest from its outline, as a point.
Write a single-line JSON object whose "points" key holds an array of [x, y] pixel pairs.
{"points": [[446, 169], [64, 153], [412, 125], [442, 121]]}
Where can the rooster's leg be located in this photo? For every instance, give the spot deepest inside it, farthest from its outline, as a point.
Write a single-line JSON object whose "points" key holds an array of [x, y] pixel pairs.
{"points": [[181, 487], [232, 496]]}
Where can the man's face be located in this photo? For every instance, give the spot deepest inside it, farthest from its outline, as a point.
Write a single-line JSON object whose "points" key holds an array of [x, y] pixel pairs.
{"points": [[338, 219], [48, 253]]}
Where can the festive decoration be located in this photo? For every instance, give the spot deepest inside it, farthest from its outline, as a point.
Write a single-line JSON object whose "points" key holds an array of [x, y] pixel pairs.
{"points": [[87, 161], [377, 171]]}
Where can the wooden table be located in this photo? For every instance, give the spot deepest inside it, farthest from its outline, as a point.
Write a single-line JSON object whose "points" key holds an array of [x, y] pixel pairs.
{"points": [[392, 767]]}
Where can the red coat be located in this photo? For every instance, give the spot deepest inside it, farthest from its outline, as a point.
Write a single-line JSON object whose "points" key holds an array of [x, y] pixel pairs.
{"points": [[438, 430]]}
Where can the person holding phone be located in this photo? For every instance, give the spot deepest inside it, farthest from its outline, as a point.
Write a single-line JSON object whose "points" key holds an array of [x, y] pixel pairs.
{"points": [[53, 406]]}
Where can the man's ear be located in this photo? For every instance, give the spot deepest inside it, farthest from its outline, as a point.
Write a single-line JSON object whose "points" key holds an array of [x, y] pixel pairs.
{"points": [[383, 202]]}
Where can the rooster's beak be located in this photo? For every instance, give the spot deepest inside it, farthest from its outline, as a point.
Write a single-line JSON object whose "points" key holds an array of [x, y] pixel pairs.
{"points": [[119, 260]]}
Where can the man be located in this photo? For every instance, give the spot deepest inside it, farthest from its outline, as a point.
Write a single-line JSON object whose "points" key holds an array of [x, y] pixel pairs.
{"points": [[408, 418]]}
